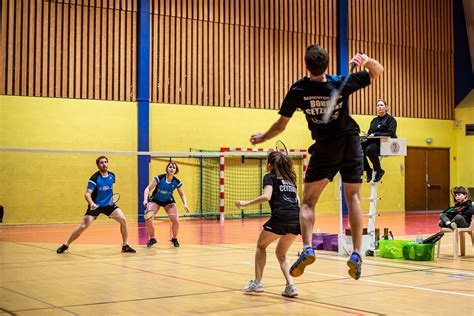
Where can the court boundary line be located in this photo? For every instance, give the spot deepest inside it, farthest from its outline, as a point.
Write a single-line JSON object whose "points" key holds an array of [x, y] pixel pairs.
{"points": [[196, 281], [37, 299], [382, 282], [330, 258], [283, 300], [385, 264], [7, 311], [323, 305], [399, 265]]}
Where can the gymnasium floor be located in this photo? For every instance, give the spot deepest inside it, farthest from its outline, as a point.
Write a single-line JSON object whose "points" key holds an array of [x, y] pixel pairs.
{"points": [[205, 275]]}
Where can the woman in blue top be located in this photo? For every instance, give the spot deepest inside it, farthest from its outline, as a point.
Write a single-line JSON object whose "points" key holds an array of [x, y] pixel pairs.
{"points": [[164, 186]]}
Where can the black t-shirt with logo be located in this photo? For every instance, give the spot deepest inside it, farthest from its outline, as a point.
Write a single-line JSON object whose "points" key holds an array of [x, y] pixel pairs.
{"points": [[312, 97], [284, 201]]}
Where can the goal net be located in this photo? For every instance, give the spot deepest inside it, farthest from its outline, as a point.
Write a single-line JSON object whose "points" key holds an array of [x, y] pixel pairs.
{"points": [[214, 180]]}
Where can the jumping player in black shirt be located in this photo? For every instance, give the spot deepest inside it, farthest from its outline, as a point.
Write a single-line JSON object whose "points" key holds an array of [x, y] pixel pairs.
{"points": [[337, 146], [279, 189]]}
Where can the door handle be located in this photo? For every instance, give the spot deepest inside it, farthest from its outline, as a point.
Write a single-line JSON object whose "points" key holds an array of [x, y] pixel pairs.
{"points": [[433, 185]]}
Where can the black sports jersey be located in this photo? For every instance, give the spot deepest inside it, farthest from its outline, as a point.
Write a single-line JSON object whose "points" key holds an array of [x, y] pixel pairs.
{"points": [[312, 97], [383, 126], [284, 201]]}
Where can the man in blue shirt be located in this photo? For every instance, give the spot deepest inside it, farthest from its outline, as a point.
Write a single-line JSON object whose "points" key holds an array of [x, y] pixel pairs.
{"points": [[99, 198]]}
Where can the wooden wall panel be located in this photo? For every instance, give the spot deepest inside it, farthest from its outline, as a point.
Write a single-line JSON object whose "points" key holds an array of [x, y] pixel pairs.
{"points": [[414, 42], [237, 53], [68, 49]]}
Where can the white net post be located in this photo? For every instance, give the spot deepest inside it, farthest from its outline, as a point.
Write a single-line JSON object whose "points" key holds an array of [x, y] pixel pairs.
{"points": [[342, 244], [372, 213]]}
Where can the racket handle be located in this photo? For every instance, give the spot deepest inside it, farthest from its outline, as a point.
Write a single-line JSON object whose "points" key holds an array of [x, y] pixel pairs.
{"points": [[353, 65]]}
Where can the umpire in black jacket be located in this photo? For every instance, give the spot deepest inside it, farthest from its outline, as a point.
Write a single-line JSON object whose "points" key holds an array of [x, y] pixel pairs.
{"points": [[382, 125]]}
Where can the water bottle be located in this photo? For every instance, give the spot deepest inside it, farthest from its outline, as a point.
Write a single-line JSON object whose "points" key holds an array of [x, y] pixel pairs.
{"points": [[318, 231], [419, 238]]}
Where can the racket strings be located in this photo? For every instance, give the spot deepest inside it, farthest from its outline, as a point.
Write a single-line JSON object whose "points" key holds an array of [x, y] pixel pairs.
{"points": [[114, 199], [281, 147]]}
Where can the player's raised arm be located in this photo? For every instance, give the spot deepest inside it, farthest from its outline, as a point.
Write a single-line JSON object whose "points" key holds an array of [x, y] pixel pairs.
{"points": [[277, 127], [374, 68]]}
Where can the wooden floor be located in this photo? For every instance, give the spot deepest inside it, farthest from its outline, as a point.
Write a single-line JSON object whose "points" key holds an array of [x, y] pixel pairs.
{"points": [[206, 274]]}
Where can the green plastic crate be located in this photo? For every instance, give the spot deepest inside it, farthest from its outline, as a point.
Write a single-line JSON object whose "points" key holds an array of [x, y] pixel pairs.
{"points": [[419, 252], [392, 249]]}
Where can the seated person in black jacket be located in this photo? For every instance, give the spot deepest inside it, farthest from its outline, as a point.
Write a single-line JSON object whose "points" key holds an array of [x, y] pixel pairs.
{"points": [[460, 215], [382, 125]]}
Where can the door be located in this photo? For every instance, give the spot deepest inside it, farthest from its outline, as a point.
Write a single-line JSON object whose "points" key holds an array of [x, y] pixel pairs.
{"points": [[427, 179]]}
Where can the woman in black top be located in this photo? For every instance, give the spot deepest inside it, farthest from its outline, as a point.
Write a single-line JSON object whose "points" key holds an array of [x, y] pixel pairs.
{"points": [[382, 125], [279, 189]]}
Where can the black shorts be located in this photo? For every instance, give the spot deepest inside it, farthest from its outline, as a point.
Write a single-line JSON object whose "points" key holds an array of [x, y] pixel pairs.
{"points": [[343, 155], [106, 210], [280, 227], [163, 203]]}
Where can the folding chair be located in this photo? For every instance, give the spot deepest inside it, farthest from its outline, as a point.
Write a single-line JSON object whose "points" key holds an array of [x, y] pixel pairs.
{"points": [[458, 233]]}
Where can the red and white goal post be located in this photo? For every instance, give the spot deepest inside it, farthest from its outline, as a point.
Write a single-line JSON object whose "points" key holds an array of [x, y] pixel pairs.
{"points": [[252, 152]]}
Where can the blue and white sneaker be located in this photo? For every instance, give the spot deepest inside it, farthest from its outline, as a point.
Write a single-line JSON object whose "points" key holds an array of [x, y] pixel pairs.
{"points": [[306, 258], [253, 287], [355, 266]]}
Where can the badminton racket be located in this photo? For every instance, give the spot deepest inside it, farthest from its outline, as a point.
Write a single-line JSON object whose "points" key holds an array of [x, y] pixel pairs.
{"points": [[335, 94], [280, 146], [148, 214], [114, 198]]}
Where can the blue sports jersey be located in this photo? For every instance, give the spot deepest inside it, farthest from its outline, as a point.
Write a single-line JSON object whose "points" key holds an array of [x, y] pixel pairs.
{"points": [[164, 190], [102, 188]]}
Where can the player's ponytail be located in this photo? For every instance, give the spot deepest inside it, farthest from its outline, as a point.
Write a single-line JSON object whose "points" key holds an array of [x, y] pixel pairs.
{"points": [[282, 165]]}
